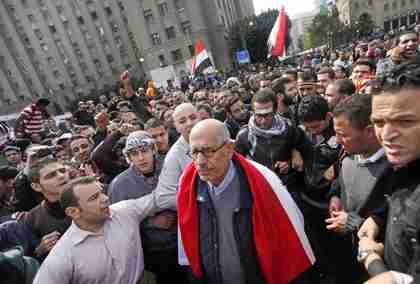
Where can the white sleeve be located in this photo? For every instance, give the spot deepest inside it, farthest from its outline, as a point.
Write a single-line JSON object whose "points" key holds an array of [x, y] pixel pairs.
{"points": [[401, 278], [167, 188], [54, 270], [138, 208]]}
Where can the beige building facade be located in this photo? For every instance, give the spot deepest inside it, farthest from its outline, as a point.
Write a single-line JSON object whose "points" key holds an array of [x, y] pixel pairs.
{"points": [[66, 49], [387, 14]]}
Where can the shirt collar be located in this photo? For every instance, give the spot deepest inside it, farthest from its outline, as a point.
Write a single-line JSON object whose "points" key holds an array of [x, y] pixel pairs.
{"points": [[226, 181], [372, 159], [79, 235]]}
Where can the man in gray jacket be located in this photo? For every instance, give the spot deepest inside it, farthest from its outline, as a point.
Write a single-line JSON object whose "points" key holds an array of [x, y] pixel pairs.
{"points": [[158, 233]]}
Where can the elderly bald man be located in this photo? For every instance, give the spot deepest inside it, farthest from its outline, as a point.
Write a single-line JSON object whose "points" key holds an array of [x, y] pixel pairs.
{"points": [[238, 222]]}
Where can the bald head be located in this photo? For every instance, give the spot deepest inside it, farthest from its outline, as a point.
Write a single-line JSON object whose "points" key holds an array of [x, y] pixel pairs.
{"points": [[185, 107], [185, 117], [211, 129]]}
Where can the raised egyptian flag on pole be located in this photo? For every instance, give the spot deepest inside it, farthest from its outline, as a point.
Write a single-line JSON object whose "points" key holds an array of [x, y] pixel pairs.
{"points": [[277, 39], [201, 60]]}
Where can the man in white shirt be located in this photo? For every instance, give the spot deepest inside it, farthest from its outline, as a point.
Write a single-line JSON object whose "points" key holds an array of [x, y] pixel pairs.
{"points": [[103, 244]]}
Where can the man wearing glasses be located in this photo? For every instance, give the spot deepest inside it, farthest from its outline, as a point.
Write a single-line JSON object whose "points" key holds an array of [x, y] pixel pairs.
{"points": [[234, 214], [269, 138]]}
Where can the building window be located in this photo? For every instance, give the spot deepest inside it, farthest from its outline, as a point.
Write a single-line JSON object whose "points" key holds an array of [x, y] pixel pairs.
{"points": [[162, 60], [44, 46], [94, 15], [192, 50], [109, 58], [156, 39], [38, 34], [186, 27], [108, 11], [176, 55], [97, 63], [31, 18], [51, 61], [386, 6], [370, 2], [80, 20], [163, 9], [179, 5], [170, 33], [148, 15], [52, 28], [56, 73], [402, 3], [394, 5]]}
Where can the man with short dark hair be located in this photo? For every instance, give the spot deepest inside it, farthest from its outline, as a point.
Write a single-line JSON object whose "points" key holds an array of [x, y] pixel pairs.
{"points": [[363, 68], [325, 76], [158, 131], [237, 116], [47, 220], [81, 147], [361, 185], [339, 90], [103, 243], [30, 123], [269, 138], [395, 117], [7, 176], [406, 49], [13, 155]]}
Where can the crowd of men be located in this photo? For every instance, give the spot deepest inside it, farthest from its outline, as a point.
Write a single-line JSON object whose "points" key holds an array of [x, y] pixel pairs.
{"points": [[273, 175]]}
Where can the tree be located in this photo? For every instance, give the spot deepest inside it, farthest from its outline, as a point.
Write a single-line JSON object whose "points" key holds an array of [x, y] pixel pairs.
{"points": [[325, 29], [364, 25], [253, 32]]}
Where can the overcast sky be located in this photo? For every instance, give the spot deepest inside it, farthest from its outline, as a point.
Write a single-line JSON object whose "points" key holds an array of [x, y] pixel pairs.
{"points": [[292, 6]]}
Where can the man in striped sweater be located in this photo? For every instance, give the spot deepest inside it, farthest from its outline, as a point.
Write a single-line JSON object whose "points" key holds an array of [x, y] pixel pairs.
{"points": [[30, 123]]}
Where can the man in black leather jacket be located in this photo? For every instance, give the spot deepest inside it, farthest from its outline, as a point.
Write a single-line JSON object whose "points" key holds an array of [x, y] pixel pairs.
{"points": [[395, 115], [270, 139]]}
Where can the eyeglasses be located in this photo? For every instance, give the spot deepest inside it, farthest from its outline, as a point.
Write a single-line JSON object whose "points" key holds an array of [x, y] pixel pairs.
{"points": [[206, 152], [263, 115]]}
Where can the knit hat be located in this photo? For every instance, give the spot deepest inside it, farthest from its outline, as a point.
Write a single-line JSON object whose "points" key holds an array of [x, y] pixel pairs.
{"points": [[138, 139], [8, 172]]}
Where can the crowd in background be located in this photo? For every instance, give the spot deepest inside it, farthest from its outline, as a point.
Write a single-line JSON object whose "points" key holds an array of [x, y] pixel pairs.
{"points": [[339, 128]]}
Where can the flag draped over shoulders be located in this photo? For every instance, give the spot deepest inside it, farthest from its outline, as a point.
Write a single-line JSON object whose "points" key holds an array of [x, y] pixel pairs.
{"points": [[283, 249]]}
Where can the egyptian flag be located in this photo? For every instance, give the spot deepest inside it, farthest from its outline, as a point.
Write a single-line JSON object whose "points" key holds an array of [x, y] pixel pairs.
{"points": [[277, 39], [283, 249], [201, 60]]}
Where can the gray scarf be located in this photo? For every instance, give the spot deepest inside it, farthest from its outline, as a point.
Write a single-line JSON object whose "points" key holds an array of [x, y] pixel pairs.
{"points": [[278, 128]]}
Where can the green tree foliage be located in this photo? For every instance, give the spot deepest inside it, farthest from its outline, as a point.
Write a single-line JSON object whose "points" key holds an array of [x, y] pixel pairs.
{"points": [[324, 29], [253, 32], [364, 25]]}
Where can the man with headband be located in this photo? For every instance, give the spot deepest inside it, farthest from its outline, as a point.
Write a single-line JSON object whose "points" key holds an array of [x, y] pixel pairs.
{"points": [[158, 233]]}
